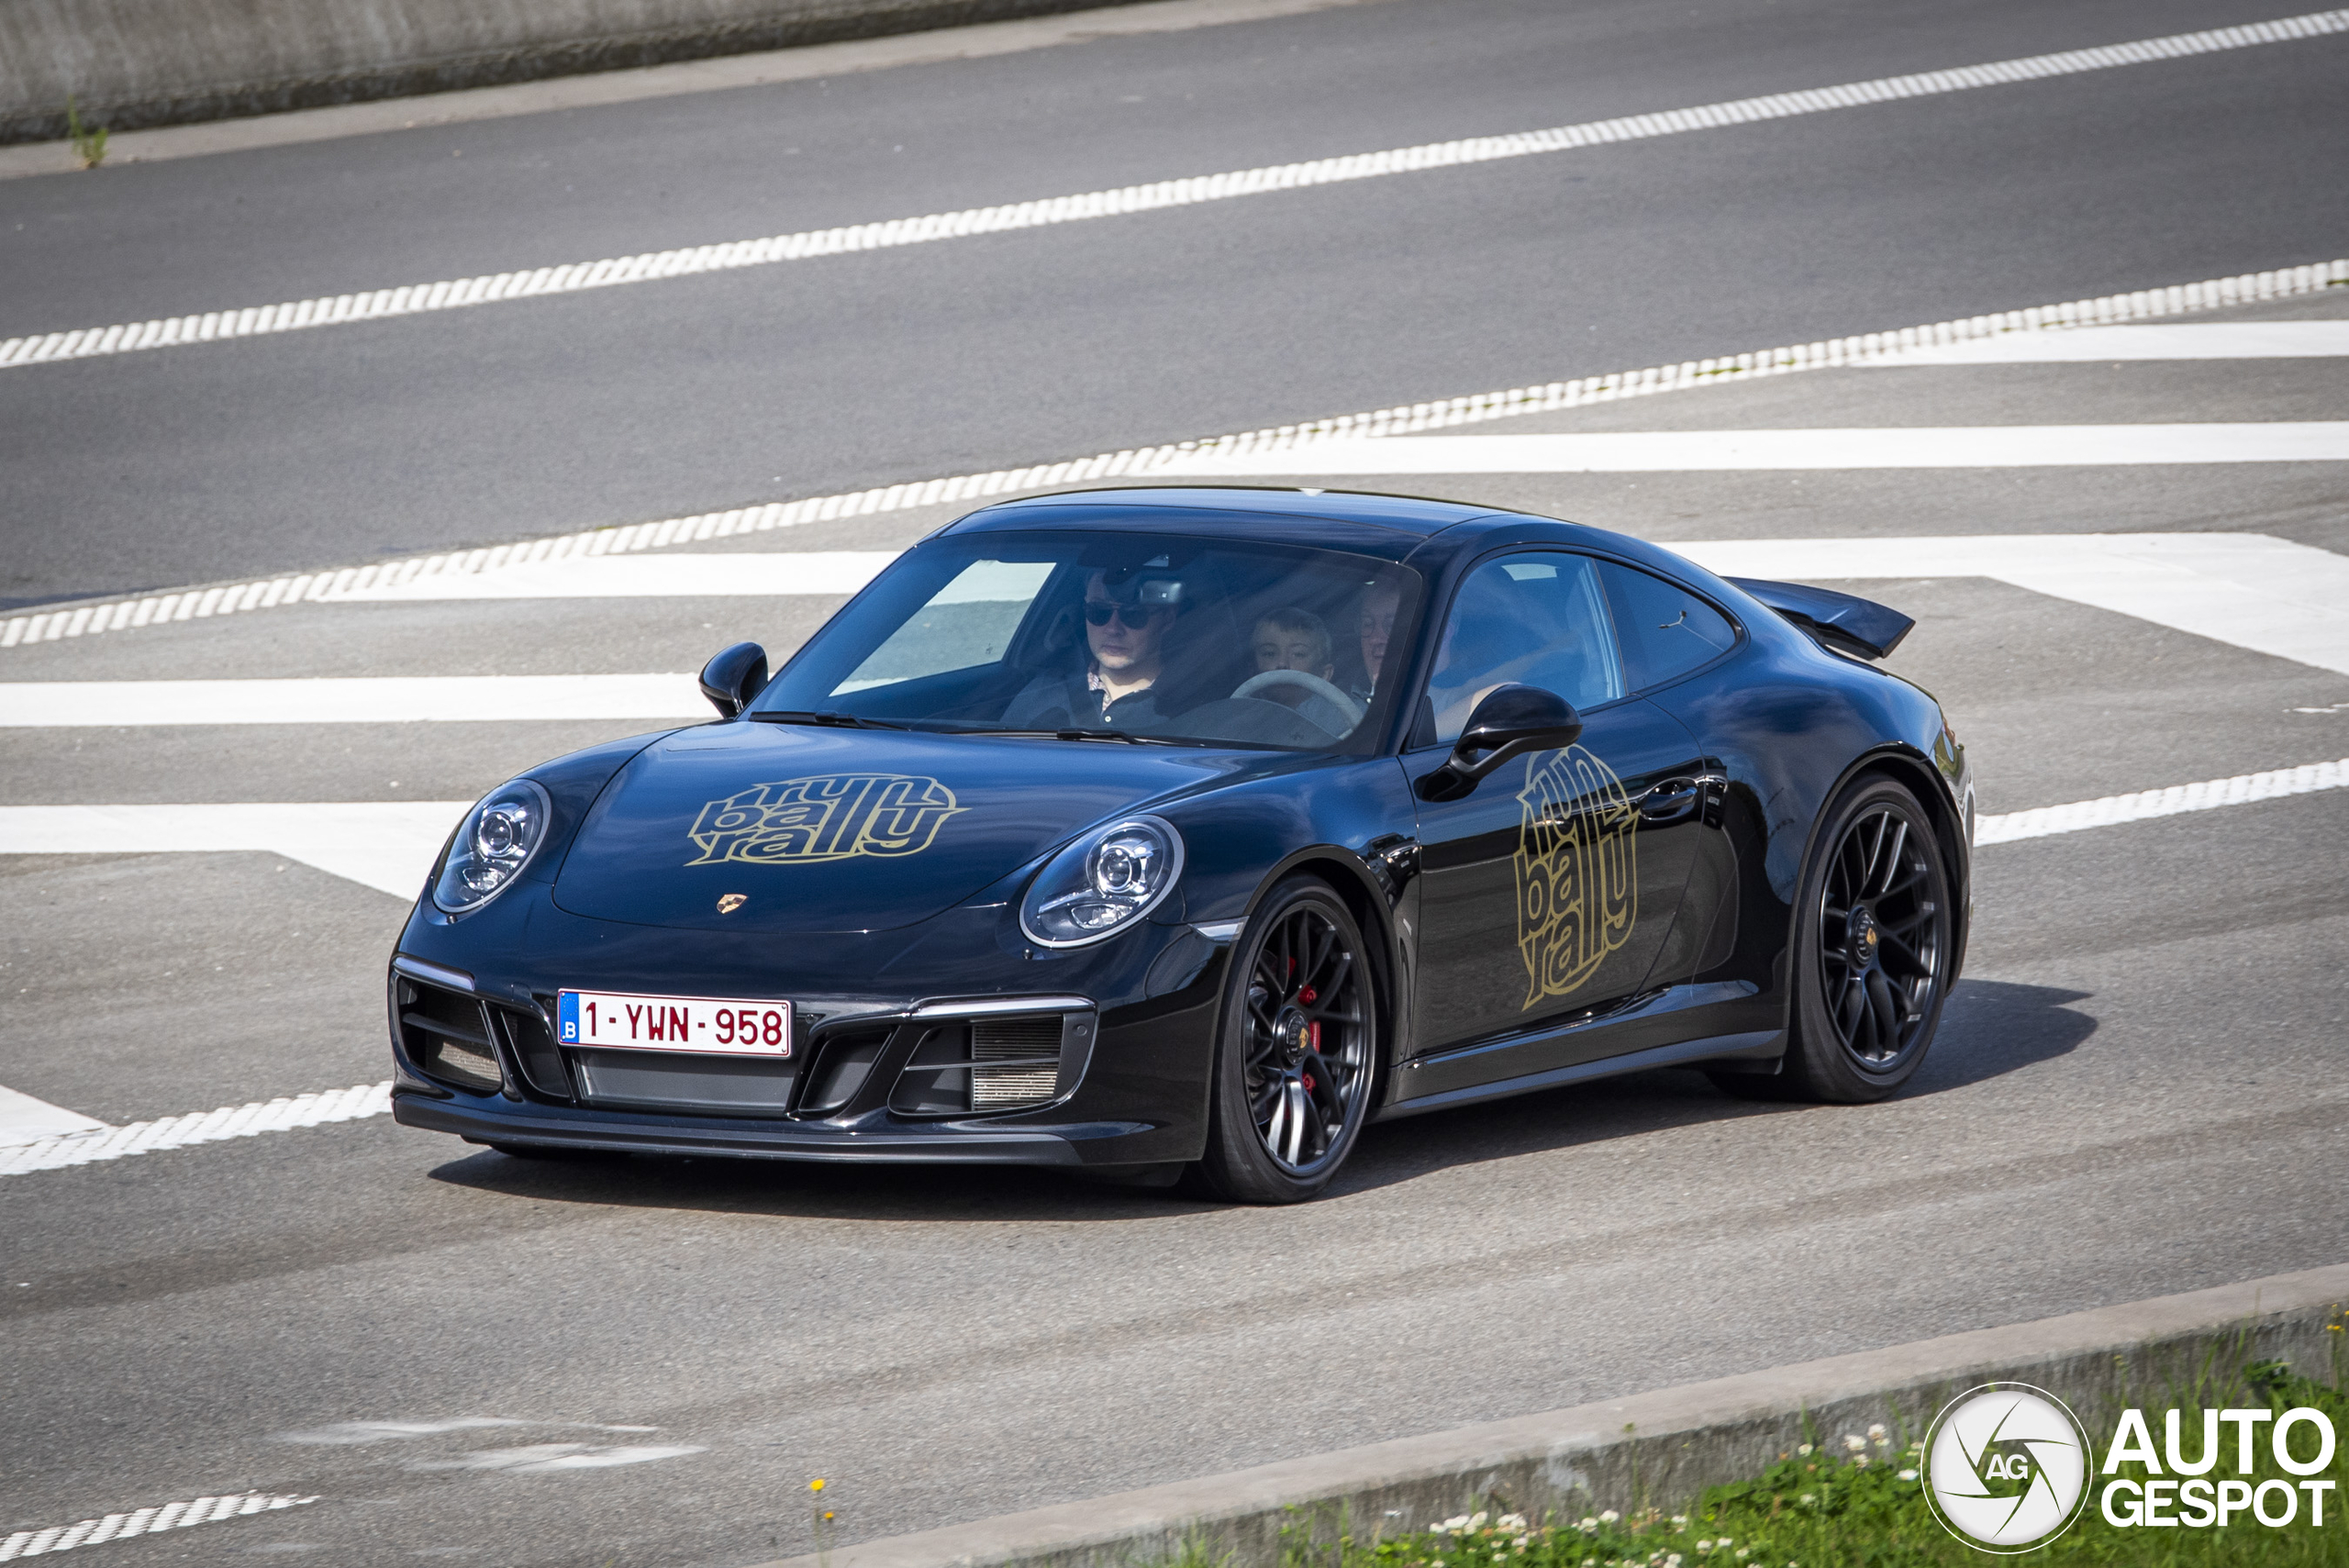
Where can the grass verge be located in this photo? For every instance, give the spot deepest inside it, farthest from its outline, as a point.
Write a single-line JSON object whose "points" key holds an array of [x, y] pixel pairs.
{"points": [[1854, 1500]]}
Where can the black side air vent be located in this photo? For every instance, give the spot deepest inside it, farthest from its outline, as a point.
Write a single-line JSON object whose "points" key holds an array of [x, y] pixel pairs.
{"points": [[530, 1046], [845, 1057], [445, 1034]]}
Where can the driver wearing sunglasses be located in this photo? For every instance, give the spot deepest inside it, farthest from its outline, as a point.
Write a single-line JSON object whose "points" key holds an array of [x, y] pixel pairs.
{"points": [[1126, 621]]}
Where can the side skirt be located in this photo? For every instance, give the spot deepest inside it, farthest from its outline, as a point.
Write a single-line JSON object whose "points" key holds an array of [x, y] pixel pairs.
{"points": [[1758, 1044]]}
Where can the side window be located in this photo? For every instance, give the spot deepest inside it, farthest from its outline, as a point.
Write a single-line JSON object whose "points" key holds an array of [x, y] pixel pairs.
{"points": [[1537, 618], [1666, 630]]}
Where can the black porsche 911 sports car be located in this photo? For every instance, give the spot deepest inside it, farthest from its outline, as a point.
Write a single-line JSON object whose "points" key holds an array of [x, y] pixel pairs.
{"points": [[1154, 831]]}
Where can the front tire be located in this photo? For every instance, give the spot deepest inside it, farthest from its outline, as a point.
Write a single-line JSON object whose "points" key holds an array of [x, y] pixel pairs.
{"points": [[1874, 942], [1297, 1051]]}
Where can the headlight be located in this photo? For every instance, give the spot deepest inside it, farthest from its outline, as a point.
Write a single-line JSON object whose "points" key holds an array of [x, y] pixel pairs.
{"points": [[498, 839], [1102, 883]]}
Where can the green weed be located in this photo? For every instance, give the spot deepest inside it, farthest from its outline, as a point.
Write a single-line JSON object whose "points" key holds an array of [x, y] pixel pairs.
{"points": [[89, 141]]}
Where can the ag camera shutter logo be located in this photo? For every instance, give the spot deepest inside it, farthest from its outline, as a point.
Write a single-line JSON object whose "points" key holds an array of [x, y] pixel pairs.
{"points": [[2007, 1467]]}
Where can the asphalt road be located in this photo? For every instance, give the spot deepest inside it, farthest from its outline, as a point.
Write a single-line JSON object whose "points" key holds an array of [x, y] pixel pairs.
{"points": [[2137, 1089], [479, 425]]}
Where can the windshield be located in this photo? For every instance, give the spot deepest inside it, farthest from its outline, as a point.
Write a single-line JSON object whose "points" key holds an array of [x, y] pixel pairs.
{"points": [[1124, 635]]}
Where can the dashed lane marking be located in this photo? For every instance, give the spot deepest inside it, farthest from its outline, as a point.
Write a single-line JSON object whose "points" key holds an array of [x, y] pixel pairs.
{"points": [[142, 1521], [251, 1120], [355, 582], [459, 292], [2111, 810]]}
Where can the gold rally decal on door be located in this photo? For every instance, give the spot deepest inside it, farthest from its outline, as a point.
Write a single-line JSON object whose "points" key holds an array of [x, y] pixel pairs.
{"points": [[833, 816], [1578, 879]]}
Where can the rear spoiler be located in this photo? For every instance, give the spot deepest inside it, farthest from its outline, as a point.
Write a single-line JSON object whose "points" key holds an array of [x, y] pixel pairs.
{"points": [[1841, 621]]}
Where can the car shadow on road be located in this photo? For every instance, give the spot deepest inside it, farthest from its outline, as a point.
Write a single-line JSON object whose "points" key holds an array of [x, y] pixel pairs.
{"points": [[1990, 1028]]}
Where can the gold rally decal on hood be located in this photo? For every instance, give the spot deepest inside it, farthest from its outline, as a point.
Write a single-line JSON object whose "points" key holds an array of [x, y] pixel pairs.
{"points": [[834, 817], [1577, 878]]}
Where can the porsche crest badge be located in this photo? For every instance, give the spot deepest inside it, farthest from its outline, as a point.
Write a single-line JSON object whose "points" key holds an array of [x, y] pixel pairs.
{"points": [[834, 817], [729, 902], [1577, 875]]}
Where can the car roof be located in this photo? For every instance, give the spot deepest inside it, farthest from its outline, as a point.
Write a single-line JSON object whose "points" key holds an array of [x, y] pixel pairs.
{"points": [[1367, 522], [1390, 526]]}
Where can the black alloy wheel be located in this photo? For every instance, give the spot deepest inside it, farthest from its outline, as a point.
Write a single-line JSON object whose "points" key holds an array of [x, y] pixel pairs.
{"points": [[1874, 945], [1297, 1051], [1880, 939]]}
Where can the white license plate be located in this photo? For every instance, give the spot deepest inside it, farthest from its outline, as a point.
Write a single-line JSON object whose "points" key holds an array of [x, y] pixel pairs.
{"points": [[615, 1020]]}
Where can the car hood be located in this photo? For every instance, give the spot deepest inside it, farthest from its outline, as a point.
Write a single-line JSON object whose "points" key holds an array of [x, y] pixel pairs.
{"points": [[759, 827]]}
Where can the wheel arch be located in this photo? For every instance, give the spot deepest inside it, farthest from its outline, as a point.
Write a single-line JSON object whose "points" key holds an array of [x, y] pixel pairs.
{"points": [[1365, 896], [1914, 771]]}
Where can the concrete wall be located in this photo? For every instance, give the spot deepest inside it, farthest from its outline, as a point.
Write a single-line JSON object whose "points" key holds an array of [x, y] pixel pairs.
{"points": [[131, 63]]}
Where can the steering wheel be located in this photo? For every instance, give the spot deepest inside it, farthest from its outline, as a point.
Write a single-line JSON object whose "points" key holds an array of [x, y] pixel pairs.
{"points": [[1349, 710]]}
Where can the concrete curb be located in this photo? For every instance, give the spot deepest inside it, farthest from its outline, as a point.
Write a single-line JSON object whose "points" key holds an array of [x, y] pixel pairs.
{"points": [[133, 64], [1658, 1448], [808, 63]]}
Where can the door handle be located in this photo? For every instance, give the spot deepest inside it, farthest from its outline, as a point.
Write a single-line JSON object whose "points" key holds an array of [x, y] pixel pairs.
{"points": [[1671, 800], [1675, 798]]}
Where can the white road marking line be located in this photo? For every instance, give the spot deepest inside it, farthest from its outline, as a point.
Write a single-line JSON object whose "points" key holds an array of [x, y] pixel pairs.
{"points": [[1688, 451], [370, 699], [251, 1120], [823, 572], [554, 1459], [2242, 790], [386, 845], [345, 1434], [142, 1521], [230, 598], [457, 293], [2184, 340], [24, 1119], [2270, 595]]}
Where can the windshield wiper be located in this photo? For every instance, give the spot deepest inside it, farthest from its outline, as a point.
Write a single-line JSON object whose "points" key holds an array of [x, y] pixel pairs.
{"points": [[1126, 736], [825, 717]]}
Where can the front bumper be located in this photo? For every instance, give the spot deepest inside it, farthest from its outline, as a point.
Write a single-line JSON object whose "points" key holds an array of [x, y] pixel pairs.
{"points": [[487, 1120], [871, 1079]]}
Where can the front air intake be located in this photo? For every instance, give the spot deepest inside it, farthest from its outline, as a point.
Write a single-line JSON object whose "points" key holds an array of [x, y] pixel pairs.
{"points": [[446, 1036], [1014, 1061], [990, 1061]]}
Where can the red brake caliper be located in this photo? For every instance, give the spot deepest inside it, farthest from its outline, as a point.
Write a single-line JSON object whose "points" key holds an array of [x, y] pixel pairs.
{"points": [[1306, 998]]}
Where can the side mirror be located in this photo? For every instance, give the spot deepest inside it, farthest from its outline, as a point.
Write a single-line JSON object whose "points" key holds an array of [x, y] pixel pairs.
{"points": [[1509, 722], [732, 679]]}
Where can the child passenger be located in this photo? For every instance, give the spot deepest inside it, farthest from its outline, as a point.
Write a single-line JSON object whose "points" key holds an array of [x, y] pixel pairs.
{"points": [[1293, 639]]}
